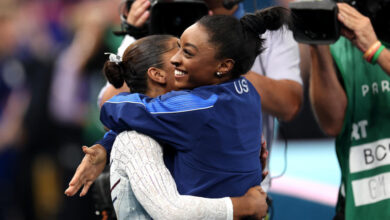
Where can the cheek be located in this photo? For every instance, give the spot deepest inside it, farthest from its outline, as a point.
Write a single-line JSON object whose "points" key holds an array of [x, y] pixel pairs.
{"points": [[170, 78]]}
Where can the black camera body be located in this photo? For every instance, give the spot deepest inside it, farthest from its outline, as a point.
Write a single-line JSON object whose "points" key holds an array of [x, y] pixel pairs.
{"points": [[315, 22], [169, 17], [174, 16]]}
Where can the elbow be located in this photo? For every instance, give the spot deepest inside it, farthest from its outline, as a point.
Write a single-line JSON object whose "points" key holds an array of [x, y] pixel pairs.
{"points": [[330, 123], [291, 110], [291, 114], [332, 129], [330, 118]]}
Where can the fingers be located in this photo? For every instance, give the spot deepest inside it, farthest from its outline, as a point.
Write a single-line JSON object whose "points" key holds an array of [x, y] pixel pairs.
{"points": [[358, 28], [349, 16], [348, 10], [79, 176], [345, 15], [138, 13], [347, 33], [74, 186], [264, 174], [348, 21], [258, 188], [264, 153], [86, 187], [263, 141], [72, 190], [142, 19], [88, 151], [75, 179]]}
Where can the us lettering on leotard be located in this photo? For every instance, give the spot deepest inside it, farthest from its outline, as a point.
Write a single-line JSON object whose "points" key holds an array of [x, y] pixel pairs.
{"points": [[241, 86]]}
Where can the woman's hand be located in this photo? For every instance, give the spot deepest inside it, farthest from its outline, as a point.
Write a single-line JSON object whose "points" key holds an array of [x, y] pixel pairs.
{"points": [[89, 169], [263, 156], [253, 204]]}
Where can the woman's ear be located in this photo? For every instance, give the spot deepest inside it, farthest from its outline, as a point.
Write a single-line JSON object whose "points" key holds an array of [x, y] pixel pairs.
{"points": [[157, 75], [226, 66]]}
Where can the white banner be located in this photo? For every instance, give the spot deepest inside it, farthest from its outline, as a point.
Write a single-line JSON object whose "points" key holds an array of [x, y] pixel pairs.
{"points": [[372, 189], [369, 156]]}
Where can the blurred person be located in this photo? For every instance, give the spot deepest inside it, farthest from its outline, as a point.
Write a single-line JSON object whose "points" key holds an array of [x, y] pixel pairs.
{"points": [[350, 95], [89, 29], [14, 99], [75, 75], [27, 118]]}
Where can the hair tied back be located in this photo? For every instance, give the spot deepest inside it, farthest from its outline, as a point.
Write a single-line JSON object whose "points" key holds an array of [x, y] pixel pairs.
{"points": [[114, 58], [253, 23]]}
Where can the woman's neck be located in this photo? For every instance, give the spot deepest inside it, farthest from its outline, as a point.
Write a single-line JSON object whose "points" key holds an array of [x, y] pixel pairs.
{"points": [[154, 91]]}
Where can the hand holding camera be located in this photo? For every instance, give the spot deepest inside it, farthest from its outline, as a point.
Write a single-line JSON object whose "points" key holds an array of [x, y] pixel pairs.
{"points": [[145, 17], [138, 13], [356, 27]]}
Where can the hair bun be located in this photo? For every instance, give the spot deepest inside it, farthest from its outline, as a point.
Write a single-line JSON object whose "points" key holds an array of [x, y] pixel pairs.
{"points": [[275, 17], [253, 23], [114, 73]]}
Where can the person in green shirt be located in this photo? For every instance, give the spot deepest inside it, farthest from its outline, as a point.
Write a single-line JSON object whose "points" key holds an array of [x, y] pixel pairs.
{"points": [[350, 95]]}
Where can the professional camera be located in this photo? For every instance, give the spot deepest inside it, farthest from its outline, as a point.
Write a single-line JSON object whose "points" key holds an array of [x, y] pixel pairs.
{"points": [[315, 22], [167, 17]]}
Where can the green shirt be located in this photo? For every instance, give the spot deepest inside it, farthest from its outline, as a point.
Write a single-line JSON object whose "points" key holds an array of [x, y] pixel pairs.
{"points": [[363, 146]]}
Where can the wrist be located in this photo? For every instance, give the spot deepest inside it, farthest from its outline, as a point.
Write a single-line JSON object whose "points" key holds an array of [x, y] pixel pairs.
{"points": [[372, 53], [101, 153], [242, 207]]}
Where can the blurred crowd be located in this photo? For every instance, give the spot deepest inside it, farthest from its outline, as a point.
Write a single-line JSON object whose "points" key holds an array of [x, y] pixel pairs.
{"points": [[51, 56]]}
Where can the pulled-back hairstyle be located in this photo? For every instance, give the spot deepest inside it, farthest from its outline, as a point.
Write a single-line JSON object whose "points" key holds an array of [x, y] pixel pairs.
{"points": [[239, 39], [137, 59]]}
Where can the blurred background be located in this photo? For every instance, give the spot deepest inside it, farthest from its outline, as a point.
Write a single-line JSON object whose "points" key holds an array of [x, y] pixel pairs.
{"points": [[51, 56]]}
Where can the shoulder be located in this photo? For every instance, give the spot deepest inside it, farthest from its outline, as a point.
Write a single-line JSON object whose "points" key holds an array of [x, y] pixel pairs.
{"points": [[126, 97], [183, 101], [345, 54], [341, 46]]}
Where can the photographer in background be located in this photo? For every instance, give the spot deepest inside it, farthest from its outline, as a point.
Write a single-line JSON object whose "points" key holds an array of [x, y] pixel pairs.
{"points": [[351, 100]]}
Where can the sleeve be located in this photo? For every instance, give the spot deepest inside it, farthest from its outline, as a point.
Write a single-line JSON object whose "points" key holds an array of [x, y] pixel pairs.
{"points": [[174, 120], [280, 59], [154, 186]]}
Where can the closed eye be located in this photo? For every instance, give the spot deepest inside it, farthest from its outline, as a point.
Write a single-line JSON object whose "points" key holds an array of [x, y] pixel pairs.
{"points": [[187, 52]]}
